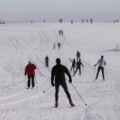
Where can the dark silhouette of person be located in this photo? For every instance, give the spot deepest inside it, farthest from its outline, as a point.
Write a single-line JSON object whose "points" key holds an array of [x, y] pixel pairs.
{"points": [[78, 67], [30, 71], [58, 73], [73, 65], [59, 32], [59, 45], [47, 61], [71, 21], [62, 32], [78, 55], [101, 63]]}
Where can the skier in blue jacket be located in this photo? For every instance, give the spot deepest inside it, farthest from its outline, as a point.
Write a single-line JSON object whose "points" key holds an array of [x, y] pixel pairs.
{"points": [[101, 63]]}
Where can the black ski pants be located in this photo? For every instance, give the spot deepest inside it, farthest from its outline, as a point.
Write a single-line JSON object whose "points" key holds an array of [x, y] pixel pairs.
{"points": [[47, 64], [31, 77], [102, 69], [78, 68], [72, 68], [78, 58], [64, 85]]}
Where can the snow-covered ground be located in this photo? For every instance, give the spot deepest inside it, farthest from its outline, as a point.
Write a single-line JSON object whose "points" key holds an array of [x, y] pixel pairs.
{"points": [[20, 43]]}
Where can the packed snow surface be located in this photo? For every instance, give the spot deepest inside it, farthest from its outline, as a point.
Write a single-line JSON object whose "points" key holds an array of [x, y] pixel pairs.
{"points": [[20, 43]]}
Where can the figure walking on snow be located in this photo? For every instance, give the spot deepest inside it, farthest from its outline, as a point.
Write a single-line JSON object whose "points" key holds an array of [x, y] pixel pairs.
{"points": [[59, 45], [73, 65], [58, 73], [78, 55], [47, 61], [78, 67], [101, 63], [30, 71]]}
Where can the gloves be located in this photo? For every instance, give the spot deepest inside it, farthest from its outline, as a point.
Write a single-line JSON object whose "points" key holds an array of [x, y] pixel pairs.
{"points": [[25, 73], [52, 84], [94, 65], [70, 81]]}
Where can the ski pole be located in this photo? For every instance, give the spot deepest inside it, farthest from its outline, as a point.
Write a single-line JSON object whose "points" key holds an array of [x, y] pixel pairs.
{"points": [[36, 81], [79, 94], [106, 72], [47, 89], [25, 82], [94, 71]]}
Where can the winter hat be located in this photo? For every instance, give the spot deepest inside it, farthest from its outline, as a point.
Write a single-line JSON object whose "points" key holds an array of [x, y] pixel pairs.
{"points": [[58, 60]]}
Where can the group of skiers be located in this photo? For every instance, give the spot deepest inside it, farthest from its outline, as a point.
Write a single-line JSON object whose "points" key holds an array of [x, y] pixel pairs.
{"points": [[60, 32], [58, 75], [58, 44], [77, 64]]}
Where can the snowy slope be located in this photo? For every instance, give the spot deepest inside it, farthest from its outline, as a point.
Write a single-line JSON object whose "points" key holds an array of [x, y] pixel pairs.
{"points": [[20, 43]]}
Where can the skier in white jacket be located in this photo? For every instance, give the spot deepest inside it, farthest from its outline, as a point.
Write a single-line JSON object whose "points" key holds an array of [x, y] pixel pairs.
{"points": [[101, 63]]}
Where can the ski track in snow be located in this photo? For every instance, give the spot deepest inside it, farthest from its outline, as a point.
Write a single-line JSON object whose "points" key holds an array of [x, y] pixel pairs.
{"points": [[34, 43]]}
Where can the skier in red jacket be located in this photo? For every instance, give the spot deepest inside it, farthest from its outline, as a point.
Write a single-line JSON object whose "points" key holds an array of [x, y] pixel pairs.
{"points": [[30, 71]]}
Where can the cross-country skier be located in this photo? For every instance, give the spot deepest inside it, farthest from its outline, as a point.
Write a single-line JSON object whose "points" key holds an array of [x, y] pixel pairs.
{"points": [[59, 45], [78, 67], [47, 61], [58, 73], [30, 71], [59, 32], [101, 63], [73, 65], [78, 55]]}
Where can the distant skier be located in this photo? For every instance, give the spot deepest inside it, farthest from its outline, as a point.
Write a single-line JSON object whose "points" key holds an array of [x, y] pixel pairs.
{"points": [[30, 71], [58, 73], [59, 32], [71, 21], [73, 65], [101, 63], [47, 61], [59, 45], [78, 55], [62, 32], [78, 67]]}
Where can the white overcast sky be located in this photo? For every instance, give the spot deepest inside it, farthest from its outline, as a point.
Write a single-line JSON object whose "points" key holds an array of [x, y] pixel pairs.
{"points": [[51, 10]]}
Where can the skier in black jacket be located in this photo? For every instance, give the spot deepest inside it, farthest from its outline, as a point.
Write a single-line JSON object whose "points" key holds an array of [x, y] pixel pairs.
{"points": [[47, 61], [78, 64], [58, 72], [73, 65]]}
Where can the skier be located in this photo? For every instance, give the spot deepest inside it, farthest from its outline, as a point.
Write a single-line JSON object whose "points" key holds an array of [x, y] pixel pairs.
{"points": [[71, 21], [78, 66], [59, 32], [59, 45], [62, 32], [30, 71], [47, 61], [58, 72], [73, 65], [78, 55], [101, 63]]}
